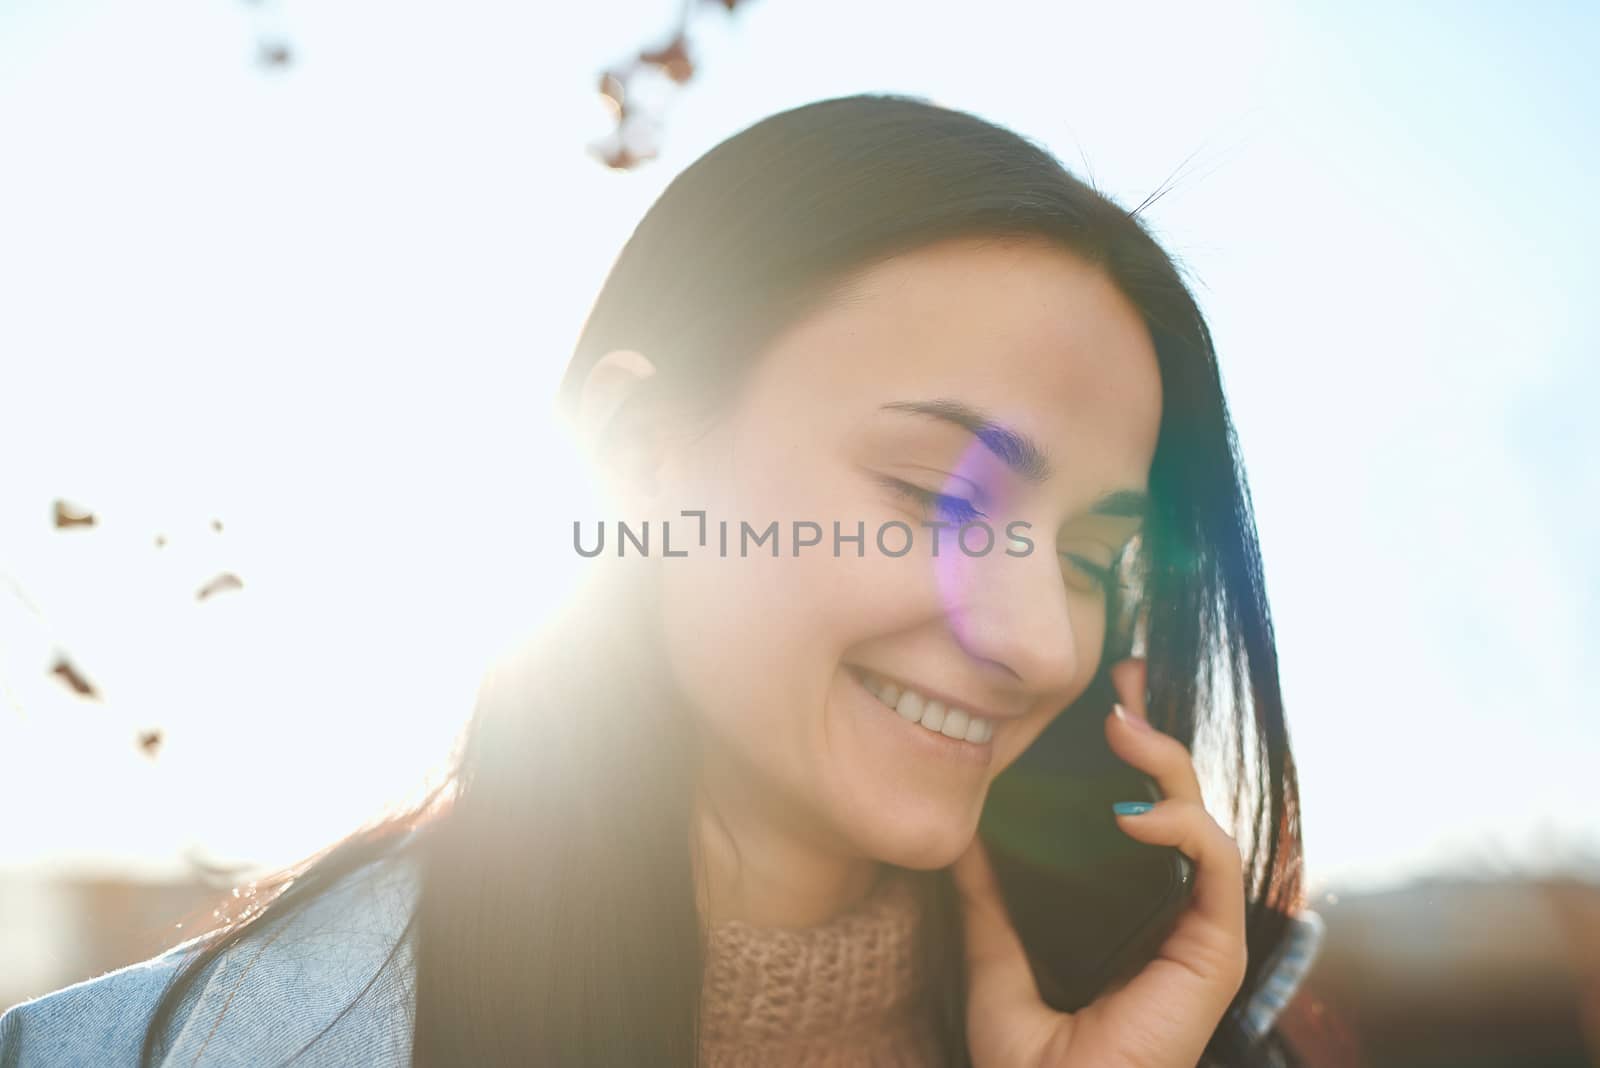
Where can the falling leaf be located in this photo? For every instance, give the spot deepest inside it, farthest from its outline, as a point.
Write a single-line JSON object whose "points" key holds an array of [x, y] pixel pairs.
{"points": [[66, 672], [225, 581], [149, 742], [626, 147], [614, 92], [273, 54], [621, 158], [673, 60], [216, 525], [68, 516], [161, 541], [622, 152]]}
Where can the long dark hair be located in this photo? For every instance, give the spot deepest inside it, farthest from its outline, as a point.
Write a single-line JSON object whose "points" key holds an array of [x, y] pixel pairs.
{"points": [[557, 919]]}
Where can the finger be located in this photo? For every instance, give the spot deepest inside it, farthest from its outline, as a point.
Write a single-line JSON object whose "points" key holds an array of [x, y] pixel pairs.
{"points": [[996, 962], [1159, 755], [1129, 677], [1187, 826]]}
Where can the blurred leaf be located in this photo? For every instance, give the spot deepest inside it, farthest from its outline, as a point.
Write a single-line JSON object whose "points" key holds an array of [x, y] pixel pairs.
{"points": [[614, 93], [225, 581], [67, 515], [274, 54], [622, 151], [623, 158], [673, 60], [66, 672]]}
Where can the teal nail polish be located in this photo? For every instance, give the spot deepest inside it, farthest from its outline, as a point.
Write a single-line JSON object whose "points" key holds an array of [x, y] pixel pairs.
{"points": [[1131, 808]]}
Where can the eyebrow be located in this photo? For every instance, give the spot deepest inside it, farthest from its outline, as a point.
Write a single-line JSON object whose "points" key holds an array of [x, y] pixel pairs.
{"points": [[1018, 451]]}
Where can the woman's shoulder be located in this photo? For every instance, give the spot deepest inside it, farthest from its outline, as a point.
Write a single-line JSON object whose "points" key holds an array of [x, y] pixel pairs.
{"points": [[89, 1020], [339, 964]]}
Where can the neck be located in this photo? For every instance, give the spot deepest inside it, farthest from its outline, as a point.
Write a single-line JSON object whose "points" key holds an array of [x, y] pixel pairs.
{"points": [[760, 864]]}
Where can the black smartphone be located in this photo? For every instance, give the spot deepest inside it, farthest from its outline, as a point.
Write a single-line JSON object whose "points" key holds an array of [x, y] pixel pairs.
{"points": [[1091, 904]]}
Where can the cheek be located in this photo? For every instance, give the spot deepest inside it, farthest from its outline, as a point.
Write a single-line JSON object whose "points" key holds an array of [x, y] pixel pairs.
{"points": [[755, 643]]}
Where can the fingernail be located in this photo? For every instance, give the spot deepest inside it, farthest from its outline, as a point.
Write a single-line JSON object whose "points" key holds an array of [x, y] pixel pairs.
{"points": [[1136, 722], [1132, 808]]}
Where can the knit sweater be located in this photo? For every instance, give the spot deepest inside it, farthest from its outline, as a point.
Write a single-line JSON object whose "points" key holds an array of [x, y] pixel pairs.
{"points": [[851, 992]]}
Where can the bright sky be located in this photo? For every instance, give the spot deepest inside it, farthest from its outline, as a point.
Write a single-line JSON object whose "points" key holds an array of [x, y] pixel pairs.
{"points": [[328, 304]]}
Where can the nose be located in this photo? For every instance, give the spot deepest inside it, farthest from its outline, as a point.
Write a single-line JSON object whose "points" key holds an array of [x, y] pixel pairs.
{"points": [[1014, 613]]}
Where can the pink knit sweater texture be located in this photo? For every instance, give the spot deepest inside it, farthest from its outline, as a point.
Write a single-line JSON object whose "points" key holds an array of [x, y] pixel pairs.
{"points": [[851, 993]]}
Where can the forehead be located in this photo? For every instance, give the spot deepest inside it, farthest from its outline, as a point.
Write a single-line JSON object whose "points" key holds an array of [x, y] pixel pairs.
{"points": [[1028, 332]]}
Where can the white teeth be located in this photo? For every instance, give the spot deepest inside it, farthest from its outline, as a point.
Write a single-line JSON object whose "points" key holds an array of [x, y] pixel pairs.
{"points": [[955, 723], [909, 706]]}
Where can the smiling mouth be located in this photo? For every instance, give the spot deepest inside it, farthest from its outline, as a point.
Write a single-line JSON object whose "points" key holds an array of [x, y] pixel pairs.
{"points": [[930, 713]]}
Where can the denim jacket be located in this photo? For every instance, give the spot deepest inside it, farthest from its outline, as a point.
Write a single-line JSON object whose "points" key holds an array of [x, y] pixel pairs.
{"points": [[280, 987], [283, 986]]}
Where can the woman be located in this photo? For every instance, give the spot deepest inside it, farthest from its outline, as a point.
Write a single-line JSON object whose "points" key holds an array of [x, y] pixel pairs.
{"points": [[726, 810]]}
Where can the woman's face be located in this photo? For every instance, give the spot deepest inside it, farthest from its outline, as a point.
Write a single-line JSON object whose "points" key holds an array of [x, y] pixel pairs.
{"points": [[844, 420]]}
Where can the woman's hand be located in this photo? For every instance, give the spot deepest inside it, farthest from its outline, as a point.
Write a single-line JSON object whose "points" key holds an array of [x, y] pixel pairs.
{"points": [[1162, 1017]]}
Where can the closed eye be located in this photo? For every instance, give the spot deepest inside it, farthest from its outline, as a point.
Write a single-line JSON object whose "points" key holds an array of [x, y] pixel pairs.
{"points": [[962, 510], [1103, 577], [957, 509]]}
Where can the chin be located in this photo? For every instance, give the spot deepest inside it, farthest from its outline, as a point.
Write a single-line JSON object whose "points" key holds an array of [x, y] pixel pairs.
{"points": [[923, 844]]}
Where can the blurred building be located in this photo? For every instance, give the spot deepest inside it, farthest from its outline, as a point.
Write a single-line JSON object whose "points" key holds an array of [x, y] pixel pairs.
{"points": [[1456, 974], [56, 931]]}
